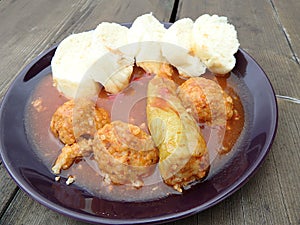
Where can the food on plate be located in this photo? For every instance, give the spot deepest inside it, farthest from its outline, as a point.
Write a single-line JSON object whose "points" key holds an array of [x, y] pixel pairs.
{"points": [[178, 48], [74, 123], [145, 37], [110, 35], [66, 158], [125, 153], [69, 153], [180, 106], [107, 54], [62, 122], [69, 65], [182, 148], [206, 100], [112, 65], [84, 60], [162, 68], [215, 43]]}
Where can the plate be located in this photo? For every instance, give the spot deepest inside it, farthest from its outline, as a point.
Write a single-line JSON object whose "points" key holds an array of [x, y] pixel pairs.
{"points": [[35, 178]]}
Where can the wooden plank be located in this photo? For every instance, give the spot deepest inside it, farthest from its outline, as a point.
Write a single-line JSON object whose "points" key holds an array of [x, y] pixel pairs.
{"points": [[7, 189], [289, 17], [127, 11], [217, 213], [33, 27], [286, 158], [269, 197], [259, 33], [25, 210], [29, 33]]}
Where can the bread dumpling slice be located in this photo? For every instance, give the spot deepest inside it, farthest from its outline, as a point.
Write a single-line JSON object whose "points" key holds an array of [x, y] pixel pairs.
{"points": [[145, 37], [112, 65], [215, 42], [178, 49], [111, 35], [69, 65]]}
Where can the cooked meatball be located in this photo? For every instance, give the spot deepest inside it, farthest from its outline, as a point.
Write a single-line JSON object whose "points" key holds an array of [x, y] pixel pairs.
{"points": [[206, 100], [64, 123], [125, 153]]}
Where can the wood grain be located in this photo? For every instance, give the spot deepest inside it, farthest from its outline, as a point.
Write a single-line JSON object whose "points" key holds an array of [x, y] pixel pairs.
{"points": [[23, 213], [268, 30], [8, 188], [269, 197], [259, 34], [289, 17], [29, 28]]}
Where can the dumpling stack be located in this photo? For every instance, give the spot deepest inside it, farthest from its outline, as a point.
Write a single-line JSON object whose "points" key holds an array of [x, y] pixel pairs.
{"points": [[108, 54]]}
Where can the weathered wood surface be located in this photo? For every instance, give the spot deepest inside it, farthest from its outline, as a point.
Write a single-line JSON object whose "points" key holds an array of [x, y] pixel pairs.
{"points": [[268, 30]]}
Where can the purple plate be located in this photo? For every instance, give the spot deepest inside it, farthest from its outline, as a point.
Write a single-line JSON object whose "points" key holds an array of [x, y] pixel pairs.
{"points": [[35, 178]]}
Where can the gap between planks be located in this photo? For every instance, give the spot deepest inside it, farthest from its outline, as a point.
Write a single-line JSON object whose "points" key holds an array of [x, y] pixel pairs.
{"points": [[9, 201], [286, 35], [174, 12]]}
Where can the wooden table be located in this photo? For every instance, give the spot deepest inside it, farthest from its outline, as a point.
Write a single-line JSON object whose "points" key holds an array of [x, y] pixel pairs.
{"points": [[269, 30]]}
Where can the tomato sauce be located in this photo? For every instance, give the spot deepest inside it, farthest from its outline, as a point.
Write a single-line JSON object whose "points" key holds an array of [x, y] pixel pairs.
{"points": [[128, 106]]}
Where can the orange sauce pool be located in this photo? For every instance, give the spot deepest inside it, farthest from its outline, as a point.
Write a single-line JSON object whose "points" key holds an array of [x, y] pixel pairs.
{"points": [[128, 106]]}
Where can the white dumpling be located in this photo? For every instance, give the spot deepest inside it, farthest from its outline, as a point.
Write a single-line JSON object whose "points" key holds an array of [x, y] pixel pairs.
{"points": [[112, 66], [178, 49], [215, 42], [69, 65], [145, 37]]}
